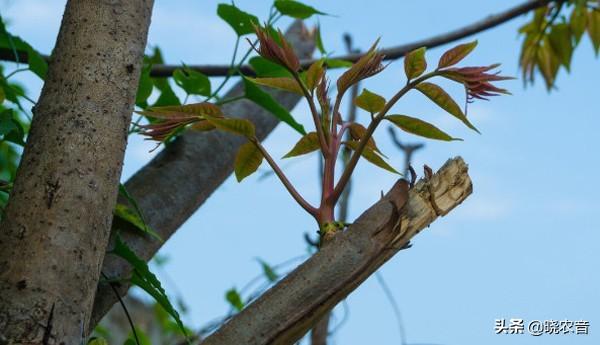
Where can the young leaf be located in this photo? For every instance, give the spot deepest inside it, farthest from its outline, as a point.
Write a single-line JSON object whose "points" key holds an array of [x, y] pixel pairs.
{"points": [[370, 101], [314, 74], [265, 100], [237, 126], [560, 40], [265, 68], [234, 298], [593, 27], [282, 83], [296, 9], [371, 156], [174, 111], [415, 63], [444, 101], [241, 22], [306, 144], [202, 126], [146, 280], [358, 131], [548, 63], [192, 82], [337, 63], [456, 54], [419, 127], [247, 161], [268, 271], [130, 216]]}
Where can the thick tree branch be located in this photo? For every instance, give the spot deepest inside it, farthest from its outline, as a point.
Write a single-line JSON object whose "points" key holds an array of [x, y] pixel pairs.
{"points": [[390, 53], [295, 304], [177, 181]]}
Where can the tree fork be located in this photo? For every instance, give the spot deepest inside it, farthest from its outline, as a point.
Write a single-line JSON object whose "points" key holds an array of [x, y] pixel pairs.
{"points": [[283, 314], [58, 219]]}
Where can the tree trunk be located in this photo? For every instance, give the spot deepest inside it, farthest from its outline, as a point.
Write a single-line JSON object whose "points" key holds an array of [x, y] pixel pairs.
{"points": [[58, 219]]}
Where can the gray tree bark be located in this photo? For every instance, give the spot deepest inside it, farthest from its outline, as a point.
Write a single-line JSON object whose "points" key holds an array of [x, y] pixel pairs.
{"points": [[58, 220], [283, 314], [171, 187]]}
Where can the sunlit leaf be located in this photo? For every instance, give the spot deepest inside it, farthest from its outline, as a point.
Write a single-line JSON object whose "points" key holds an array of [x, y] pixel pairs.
{"points": [[456, 54], [237, 126], [370, 101], [282, 83], [444, 101], [306, 144], [234, 299], [247, 161], [560, 40], [192, 82], [265, 100], [97, 341], [415, 63], [130, 216], [295, 9], [372, 157], [419, 127], [241, 22], [548, 63]]}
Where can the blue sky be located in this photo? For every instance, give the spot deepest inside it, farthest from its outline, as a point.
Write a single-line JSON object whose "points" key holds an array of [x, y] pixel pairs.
{"points": [[524, 245]]}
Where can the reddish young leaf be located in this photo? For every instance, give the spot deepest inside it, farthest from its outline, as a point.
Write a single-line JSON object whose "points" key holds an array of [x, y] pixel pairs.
{"points": [[456, 54], [314, 74], [368, 65], [358, 131], [237, 126]]}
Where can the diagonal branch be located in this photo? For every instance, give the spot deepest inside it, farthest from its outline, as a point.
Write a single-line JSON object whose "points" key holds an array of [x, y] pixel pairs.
{"points": [[295, 304], [391, 53], [177, 181]]}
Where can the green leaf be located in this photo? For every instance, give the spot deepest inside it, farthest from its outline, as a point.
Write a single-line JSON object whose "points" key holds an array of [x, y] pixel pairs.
{"points": [[146, 280], [371, 156], [370, 101], [338, 63], [234, 298], [145, 87], [237, 126], [306, 144], [135, 216], [97, 341], [319, 40], [247, 161], [560, 40], [268, 271], [444, 101], [265, 100], [200, 110], [578, 22], [548, 63], [419, 127], [192, 82], [456, 54], [265, 68], [241, 22], [37, 64], [593, 27], [296, 9], [281, 83], [415, 63]]}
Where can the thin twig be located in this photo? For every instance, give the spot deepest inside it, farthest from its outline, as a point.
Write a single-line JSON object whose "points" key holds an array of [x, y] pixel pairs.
{"points": [[129, 319], [392, 53]]}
